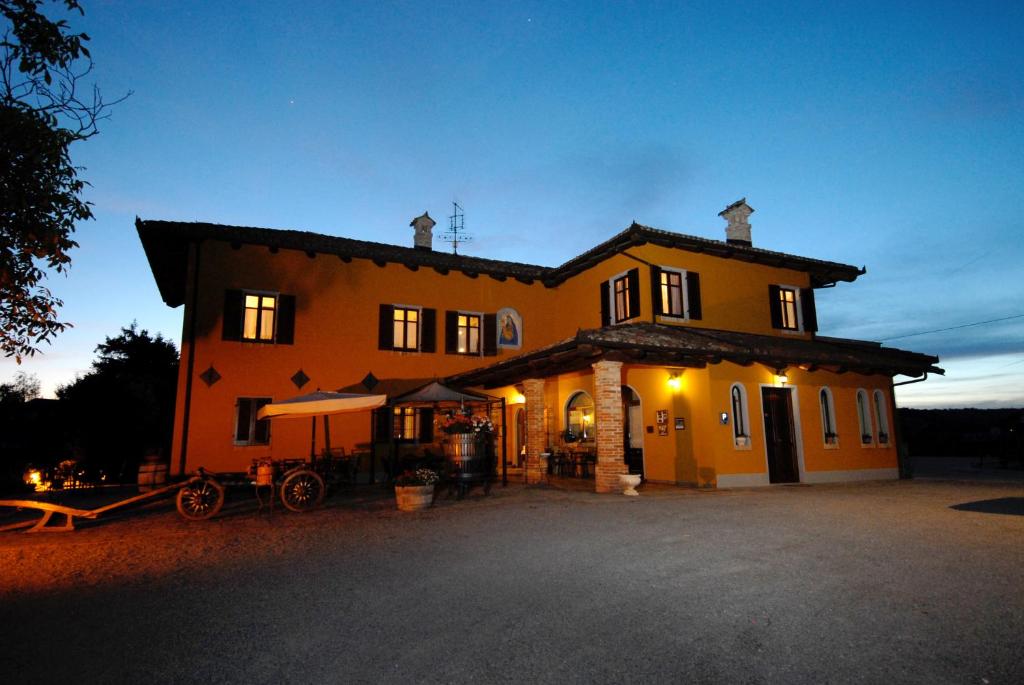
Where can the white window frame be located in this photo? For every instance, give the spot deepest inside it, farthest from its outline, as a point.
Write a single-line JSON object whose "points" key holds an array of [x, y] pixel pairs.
{"points": [[740, 441], [250, 441], [419, 327], [864, 413], [613, 312], [882, 419], [797, 305], [684, 294], [277, 310], [479, 338], [830, 442]]}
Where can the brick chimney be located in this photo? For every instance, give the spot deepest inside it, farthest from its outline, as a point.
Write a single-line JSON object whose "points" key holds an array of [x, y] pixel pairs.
{"points": [[424, 237], [738, 230]]}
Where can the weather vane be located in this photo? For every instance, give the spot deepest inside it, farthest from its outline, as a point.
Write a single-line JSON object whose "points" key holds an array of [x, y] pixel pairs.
{"points": [[456, 228]]}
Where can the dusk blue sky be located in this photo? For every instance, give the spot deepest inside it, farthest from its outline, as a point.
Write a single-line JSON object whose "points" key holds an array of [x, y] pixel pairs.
{"points": [[887, 135]]}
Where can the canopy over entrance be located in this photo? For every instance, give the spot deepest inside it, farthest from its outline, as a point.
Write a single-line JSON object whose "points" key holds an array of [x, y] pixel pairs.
{"points": [[435, 393], [321, 403]]}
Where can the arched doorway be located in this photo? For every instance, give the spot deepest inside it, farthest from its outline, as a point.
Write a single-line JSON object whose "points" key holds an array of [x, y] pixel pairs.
{"points": [[632, 431]]}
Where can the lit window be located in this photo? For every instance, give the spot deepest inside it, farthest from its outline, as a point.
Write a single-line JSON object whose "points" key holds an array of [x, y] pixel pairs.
{"points": [[621, 290], [258, 321], [740, 428], [407, 327], [828, 421], [867, 431], [468, 340], [882, 418], [671, 293], [405, 423], [579, 417], [788, 309], [249, 430]]}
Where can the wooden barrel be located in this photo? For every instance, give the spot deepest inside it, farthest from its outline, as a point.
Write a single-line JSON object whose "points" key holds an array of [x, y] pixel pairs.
{"points": [[152, 474], [414, 497]]}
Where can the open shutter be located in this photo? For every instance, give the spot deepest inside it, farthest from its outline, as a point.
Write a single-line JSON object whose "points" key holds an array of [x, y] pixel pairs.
{"points": [[606, 315], [633, 278], [386, 328], [232, 315], [693, 295], [261, 429], [656, 304], [775, 306], [383, 423], [243, 417], [428, 330], [451, 332], [285, 320], [809, 311], [426, 425], [490, 335]]}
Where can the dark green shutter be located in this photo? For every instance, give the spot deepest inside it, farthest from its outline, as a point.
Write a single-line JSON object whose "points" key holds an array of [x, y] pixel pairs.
{"points": [[451, 332], [426, 425], [775, 305], [490, 335], [243, 414], [261, 430], [656, 303], [386, 328], [633, 278], [428, 330], [693, 294], [285, 319], [606, 315], [232, 329], [809, 311], [384, 424]]}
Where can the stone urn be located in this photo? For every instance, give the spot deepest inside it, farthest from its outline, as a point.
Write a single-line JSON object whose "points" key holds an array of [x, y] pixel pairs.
{"points": [[414, 497], [629, 482]]}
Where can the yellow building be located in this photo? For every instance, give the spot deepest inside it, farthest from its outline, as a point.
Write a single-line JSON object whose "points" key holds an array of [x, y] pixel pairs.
{"points": [[686, 359]]}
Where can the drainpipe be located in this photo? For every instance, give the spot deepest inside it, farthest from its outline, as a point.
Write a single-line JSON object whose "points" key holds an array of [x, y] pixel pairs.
{"points": [[191, 361]]}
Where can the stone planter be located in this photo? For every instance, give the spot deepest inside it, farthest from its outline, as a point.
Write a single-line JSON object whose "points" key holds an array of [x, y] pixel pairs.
{"points": [[414, 497], [629, 482]]}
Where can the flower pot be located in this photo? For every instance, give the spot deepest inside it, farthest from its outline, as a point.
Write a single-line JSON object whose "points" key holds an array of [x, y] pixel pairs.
{"points": [[629, 482], [414, 497]]}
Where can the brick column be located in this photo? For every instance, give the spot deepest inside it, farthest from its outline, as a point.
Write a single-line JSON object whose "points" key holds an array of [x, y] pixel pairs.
{"points": [[608, 421], [536, 441]]}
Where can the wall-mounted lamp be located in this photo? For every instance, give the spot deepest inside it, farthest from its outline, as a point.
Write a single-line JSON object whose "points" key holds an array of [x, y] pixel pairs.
{"points": [[675, 379], [519, 398], [780, 376]]}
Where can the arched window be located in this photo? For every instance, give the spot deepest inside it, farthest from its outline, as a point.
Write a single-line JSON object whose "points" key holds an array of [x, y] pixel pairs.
{"points": [[579, 417], [882, 418], [740, 426], [867, 431], [828, 417]]}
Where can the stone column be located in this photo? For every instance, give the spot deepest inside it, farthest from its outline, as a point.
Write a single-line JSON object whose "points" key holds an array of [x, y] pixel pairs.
{"points": [[536, 441], [608, 421]]}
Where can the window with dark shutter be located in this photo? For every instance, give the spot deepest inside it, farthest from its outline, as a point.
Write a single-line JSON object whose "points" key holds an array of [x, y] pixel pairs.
{"points": [[606, 316], [490, 335], [451, 332], [775, 306], [693, 295], [248, 429], [657, 296], [809, 311], [634, 293], [386, 328], [428, 332], [285, 320], [232, 327], [426, 425]]}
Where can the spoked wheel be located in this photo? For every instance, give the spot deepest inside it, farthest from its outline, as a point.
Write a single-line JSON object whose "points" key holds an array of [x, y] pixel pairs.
{"points": [[302, 490], [200, 499]]}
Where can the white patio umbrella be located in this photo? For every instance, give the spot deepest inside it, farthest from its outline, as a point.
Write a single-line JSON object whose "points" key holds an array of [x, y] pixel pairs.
{"points": [[320, 403]]}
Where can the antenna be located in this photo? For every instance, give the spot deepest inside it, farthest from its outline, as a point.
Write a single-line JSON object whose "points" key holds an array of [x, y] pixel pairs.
{"points": [[456, 228]]}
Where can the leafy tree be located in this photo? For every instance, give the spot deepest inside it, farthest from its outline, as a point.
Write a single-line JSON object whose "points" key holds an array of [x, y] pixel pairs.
{"points": [[42, 112], [23, 388], [124, 406]]}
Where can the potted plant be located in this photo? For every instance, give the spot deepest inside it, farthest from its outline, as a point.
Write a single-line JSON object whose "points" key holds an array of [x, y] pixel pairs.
{"points": [[414, 490]]}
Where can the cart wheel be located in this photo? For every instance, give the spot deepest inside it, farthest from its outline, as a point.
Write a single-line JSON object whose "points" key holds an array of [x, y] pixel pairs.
{"points": [[302, 490], [200, 499]]}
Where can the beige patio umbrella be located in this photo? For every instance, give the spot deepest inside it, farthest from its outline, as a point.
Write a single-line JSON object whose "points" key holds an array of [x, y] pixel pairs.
{"points": [[320, 403]]}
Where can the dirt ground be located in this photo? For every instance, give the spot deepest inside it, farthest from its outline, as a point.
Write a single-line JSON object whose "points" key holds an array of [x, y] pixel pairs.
{"points": [[919, 581]]}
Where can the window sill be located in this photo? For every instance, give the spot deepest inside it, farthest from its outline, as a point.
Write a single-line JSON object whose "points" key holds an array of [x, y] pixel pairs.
{"points": [[831, 445], [742, 444]]}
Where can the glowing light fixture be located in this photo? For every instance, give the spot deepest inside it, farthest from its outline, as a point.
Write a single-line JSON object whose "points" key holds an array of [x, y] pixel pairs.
{"points": [[519, 398], [675, 379], [780, 377]]}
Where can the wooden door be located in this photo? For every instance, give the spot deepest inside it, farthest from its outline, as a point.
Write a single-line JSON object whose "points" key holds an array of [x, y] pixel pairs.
{"points": [[779, 435]]}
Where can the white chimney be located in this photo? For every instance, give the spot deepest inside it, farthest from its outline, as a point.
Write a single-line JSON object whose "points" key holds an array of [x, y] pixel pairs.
{"points": [[738, 230], [424, 237]]}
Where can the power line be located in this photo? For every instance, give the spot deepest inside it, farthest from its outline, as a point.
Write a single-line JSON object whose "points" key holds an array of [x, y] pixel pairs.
{"points": [[953, 328]]}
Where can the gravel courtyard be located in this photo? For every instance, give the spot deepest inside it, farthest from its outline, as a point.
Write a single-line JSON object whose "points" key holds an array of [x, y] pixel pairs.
{"points": [[881, 582]]}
